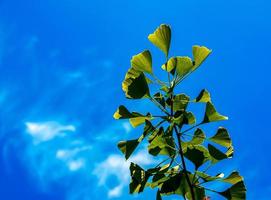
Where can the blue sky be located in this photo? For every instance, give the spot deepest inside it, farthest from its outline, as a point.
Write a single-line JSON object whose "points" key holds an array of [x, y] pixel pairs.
{"points": [[61, 67]]}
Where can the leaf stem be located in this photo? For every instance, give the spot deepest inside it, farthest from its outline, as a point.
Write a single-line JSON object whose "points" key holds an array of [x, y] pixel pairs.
{"points": [[183, 163]]}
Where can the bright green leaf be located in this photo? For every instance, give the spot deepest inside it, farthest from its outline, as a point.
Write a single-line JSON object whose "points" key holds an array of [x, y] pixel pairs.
{"points": [[184, 65], [211, 115], [142, 62], [233, 178], [200, 53], [198, 138], [161, 38], [170, 66], [222, 137]]}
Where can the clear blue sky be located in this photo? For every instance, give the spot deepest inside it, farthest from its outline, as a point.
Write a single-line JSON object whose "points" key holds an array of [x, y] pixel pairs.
{"points": [[61, 67]]}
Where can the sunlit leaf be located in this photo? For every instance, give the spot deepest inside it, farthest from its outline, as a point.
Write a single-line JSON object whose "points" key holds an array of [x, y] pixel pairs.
{"points": [[211, 115], [136, 121], [170, 66], [184, 65], [222, 137], [198, 138], [204, 96], [235, 192], [189, 118], [233, 178], [161, 38], [180, 102], [161, 144], [135, 85], [142, 62], [200, 53], [122, 113]]}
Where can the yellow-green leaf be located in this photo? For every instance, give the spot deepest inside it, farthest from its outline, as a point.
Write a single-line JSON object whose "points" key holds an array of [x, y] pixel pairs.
{"points": [[200, 53], [184, 65], [161, 38], [204, 97], [170, 66], [142, 62], [136, 121], [233, 178], [122, 113], [211, 115], [222, 137]]}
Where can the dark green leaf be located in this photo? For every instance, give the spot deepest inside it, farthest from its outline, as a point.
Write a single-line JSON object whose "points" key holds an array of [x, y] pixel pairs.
{"points": [[142, 62], [235, 192], [128, 147], [135, 85], [139, 178], [158, 196], [218, 155], [123, 113], [161, 38], [197, 154]]}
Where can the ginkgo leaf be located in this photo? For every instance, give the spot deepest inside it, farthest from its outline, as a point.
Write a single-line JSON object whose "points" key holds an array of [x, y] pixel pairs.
{"points": [[122, 113], [128, 147], [139, 178], [233, 178], [198, 155], [142, 62], [222, 137], [204, 96], [180, 102], [161, 38], [135, 85], [211, 115], [200, 53], [235, 192], [184, 65], [170, 66], [198, 138], [218, 155], [136, 121]]}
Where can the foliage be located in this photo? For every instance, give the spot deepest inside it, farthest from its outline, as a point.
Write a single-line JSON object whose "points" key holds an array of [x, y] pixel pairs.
{"points": [[167, 139]]}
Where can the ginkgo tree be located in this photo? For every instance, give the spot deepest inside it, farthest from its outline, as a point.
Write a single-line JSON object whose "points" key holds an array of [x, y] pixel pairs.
{"points": [[174, 137]]}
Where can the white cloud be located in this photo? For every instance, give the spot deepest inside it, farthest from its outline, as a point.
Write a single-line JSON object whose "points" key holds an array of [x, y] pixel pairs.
{"points": [[44, 131], [127, 127], [115, 165]]}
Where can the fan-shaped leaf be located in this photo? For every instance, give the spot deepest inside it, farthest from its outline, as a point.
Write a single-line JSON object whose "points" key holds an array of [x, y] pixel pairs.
{"points": [[233, 178], [200, 53], [161, 38], [197, 154], [218, 155], [204, 96], [142, 62], [222, 137], [198, 138], [170, 66], [184, 65], [122, 113], [180, 102], [135, 85], [128, 147], [235, 192], [211, 115], [139, 178]]}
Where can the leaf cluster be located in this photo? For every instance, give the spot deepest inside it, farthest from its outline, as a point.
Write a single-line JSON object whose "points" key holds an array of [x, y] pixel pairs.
{"points": [[165, 134]]}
